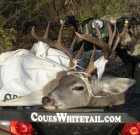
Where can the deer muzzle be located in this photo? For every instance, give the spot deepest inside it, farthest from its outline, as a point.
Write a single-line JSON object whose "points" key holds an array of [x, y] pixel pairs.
{"points": [[47, 101]]}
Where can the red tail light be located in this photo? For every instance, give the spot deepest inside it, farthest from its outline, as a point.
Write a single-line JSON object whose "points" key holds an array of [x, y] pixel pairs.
{"points": [[131, 129], [21, 128]]}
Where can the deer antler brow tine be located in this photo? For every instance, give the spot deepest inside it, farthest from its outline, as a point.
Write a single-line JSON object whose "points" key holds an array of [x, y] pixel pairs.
{"points": [[80, 52], [91, 68], [73, 43]]}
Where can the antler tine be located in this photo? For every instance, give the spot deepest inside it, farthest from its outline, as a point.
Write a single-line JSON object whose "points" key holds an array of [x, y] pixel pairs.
{"points": [[33, 33], [87, 31], [47, 31], [43, 38], [60, 34], [80, 52], [116, 42], [97, 30], [91, 68], [113, 35], [73, 43], [110, 33], [58, 45]]}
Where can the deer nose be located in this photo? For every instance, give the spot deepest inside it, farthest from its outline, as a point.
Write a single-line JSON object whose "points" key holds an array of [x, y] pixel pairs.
{"points": [[47, 101]]}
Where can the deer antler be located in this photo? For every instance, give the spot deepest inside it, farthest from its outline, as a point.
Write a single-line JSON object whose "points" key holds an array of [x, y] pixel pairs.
{"points": [[57, 44], [108, 48], [44, 38], [99, 42], [112, 35], [116, 42], [91, 66]]}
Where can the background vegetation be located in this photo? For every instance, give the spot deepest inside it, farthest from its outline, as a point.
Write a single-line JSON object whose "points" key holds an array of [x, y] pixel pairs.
{"points": [[18, 16]]}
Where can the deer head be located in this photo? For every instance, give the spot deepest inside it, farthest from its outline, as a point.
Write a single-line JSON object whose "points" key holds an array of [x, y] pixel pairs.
{"points": [[76, 88]]}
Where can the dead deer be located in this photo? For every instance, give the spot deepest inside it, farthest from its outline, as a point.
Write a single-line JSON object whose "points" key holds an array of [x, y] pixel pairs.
{"points": [[79, 88]]}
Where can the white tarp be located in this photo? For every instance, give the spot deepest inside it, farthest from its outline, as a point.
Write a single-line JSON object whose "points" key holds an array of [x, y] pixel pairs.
{"points": [[24, 73]]}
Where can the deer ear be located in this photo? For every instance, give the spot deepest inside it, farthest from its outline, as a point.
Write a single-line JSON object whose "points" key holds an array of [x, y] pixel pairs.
{"points": [[117, 85]]}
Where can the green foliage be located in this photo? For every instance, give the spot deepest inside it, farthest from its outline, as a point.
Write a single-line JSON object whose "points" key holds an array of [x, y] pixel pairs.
{"points": [[7, 36], [99, 8], [20, 15], [110, 7], [81, 9], [134, 8]]}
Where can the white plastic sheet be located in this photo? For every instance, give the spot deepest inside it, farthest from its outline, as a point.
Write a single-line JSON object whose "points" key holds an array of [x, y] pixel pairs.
{"points": [[25, 72]]}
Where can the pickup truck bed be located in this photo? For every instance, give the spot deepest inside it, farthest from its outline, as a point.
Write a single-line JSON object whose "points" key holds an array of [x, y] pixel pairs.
{"points": [[23, 113], [131, 108]]}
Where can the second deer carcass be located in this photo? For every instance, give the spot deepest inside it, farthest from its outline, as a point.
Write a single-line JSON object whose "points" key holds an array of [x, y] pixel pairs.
{"points": [[79, 88]]}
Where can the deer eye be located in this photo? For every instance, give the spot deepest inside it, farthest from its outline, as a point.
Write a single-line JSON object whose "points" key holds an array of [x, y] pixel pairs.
{"points": [[78, 88]]}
